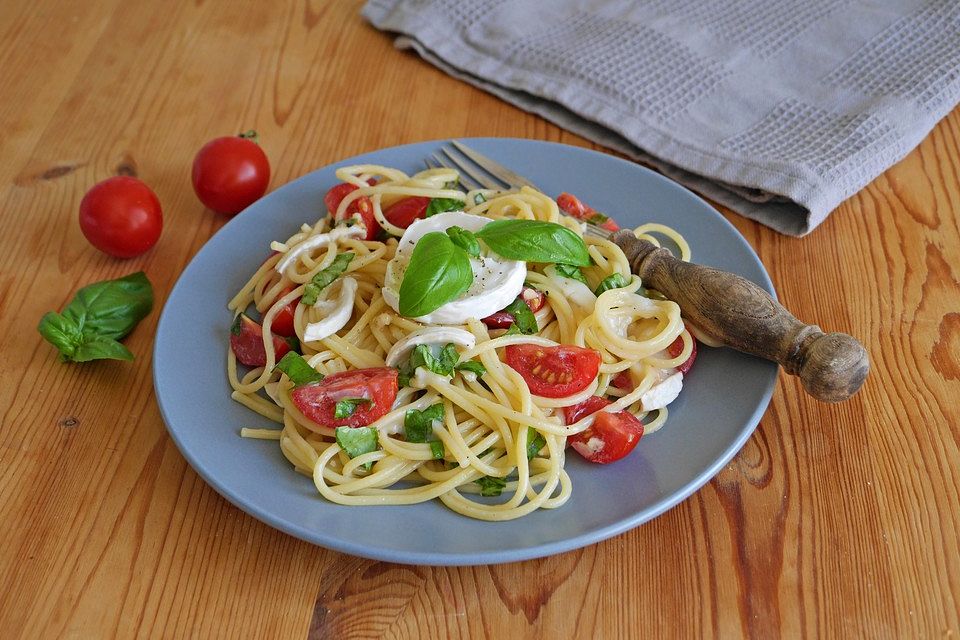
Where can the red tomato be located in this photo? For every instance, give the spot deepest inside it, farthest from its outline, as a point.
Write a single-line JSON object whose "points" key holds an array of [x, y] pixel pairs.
{"points": [[611, 436], [283, 321], [121, 216], [402, 213], [246, 340], [361, 208], [554, 372], [572, 206], [676, 348], [231, 173], [534, 298], [318, 401], [623, 381]]}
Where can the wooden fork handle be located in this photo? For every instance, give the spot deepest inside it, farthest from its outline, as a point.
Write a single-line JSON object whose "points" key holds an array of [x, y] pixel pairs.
{"points": [[741, 315]]}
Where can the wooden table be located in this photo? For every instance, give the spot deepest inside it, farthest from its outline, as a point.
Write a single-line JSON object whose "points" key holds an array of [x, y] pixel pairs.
{"points": [[834, 520]]}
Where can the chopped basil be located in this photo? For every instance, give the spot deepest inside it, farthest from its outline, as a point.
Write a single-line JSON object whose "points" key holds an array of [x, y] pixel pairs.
{"points": [[348, 406], [570, 271], [439, 205], [298, 369], [465, 240], [613, 281], [436, 448], [535, 241], [597, 218], [324, 278], [535, 442], [523, 318], [490, 486], [356, 441], [473, 366], [438, 272], [418, 425]]}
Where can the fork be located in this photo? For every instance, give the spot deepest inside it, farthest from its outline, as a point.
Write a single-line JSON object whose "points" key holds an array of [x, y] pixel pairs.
{"points": [[722, 306]]}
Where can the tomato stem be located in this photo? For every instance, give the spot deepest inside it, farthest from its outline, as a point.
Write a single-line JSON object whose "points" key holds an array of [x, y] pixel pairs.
{"points": [[250, 135]]}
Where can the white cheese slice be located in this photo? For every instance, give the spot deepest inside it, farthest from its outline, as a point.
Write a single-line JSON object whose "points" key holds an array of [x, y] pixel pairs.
{"points": [[663, 393], [429, 335], [338, 317], [317, 241]]}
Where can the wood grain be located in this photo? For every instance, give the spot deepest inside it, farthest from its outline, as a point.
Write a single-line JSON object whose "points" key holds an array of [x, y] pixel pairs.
{"points": [[833, 521]]}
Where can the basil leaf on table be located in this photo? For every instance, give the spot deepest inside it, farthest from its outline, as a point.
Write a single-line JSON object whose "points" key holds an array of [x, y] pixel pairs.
{"points": [[298, 369], [535, 241], [441, 205], [325, 277], [613, 281], [438, 272], [523, 318], [99, 315], [465, 239], [570, 271]]}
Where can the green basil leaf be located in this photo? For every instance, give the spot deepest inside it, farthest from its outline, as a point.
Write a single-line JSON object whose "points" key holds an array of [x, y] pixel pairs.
{"points": [[98, 315], [473, 366], [465, 240], [523, 318], [535, 241], [597, 218], [448, 359], [298, 369], [348, 406], [613, 281], [324, 278], [570, 271], [438, 272], [418, 425], [440, 205], [357, 441], [490, 486], [535, 442], [436, 448]]}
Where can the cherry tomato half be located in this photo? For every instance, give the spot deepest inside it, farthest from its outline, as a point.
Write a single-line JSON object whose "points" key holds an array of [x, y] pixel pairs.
{"points": [[554, 372], [676, 348], [402, 213], [231, 173], [361, 208], [573, 206], [121, 216], [611, 436], [534, 298], [246, 340], [318, 401], [283, 320]]}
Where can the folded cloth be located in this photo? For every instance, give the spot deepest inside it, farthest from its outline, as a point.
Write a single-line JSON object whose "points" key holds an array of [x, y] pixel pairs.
{"points": [[779, 109]]}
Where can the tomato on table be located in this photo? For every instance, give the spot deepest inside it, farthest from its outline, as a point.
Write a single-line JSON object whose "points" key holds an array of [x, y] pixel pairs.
{"points": [[611, 436], [676, 348], [402, 213], [231, 173], [360, 208], [573, 206], [121, 216], [318, 401], [283, 320], [246, 340], [554, 372]]}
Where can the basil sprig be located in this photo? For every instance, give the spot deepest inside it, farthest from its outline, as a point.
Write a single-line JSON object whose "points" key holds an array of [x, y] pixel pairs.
{"points": [[324, 278], [465, 239], [613, 281], [356, 441], [535, 241], [348, 406], [440, 205], [99, 315], [438, 272], [570, 271], [298, 369]]}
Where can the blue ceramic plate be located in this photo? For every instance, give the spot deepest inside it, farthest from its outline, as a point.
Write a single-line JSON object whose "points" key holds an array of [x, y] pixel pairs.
{"points": [[721, 403]]}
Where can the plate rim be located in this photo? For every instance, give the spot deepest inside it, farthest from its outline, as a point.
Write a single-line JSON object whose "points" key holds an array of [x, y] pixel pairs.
{"points": [[583, 539]]}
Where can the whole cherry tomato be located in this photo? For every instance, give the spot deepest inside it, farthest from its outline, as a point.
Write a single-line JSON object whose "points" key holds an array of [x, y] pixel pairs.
{"points": [[231, 173], [121, 216]]}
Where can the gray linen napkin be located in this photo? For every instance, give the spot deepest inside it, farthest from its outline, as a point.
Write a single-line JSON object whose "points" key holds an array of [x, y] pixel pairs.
{"points": [[779, 109]]}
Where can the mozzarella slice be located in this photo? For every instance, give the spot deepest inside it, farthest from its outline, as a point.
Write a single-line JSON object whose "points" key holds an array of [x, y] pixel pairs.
{"points": [[317, 241], [663, 393], [338, 317], [575, 291], [496, 281], [429, 335]]}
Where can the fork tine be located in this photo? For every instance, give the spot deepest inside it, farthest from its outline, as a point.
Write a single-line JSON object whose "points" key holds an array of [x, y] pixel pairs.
{"points": [[463, 179], [463, 165], [493, 167]]}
